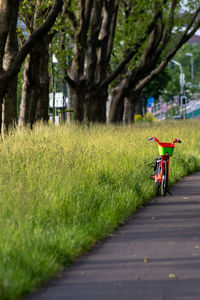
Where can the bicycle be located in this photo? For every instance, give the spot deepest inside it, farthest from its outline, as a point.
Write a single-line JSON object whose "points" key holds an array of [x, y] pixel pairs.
{"points": [[161, 165]]}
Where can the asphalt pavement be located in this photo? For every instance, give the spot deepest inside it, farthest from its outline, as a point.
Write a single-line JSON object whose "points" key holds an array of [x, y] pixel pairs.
{"points": [[154, 256]]}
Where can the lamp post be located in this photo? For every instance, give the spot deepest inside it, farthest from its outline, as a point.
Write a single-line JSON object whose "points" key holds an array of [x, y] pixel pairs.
{"points": [[192, 65], [54, 61], [182, 75], [182, 83]]}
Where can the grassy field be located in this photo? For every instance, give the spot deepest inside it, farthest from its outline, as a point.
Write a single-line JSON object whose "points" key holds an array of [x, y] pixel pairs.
{"points": [[63, 188]]}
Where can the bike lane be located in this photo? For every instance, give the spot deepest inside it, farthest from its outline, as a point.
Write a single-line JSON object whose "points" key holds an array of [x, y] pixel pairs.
{"points": [[154, 256]]}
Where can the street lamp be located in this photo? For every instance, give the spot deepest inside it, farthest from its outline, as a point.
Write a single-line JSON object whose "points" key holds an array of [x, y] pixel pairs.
{"points": [[182, 75], [182, 83], [54, 61], [192, 65]]}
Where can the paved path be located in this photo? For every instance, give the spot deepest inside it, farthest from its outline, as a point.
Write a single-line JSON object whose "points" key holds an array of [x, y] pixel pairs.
{"points": [[156, 255]]}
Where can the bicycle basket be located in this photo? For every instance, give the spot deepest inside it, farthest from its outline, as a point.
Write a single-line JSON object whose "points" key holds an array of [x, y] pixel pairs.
{"points": [[166, 149]]}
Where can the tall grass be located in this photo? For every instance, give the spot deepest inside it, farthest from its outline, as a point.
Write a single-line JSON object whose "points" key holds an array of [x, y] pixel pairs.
{"points": [[63, 188]]}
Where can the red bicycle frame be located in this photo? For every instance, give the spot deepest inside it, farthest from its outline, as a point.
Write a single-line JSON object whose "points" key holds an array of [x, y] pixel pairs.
{"points": [[158, 178], [161, 164]]}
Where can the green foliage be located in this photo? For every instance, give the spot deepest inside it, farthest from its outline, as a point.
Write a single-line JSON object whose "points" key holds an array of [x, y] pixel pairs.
{"points": [[63, 188], [157, 85], [150, 117], [132, 25], [31, 9], [138, 118]]}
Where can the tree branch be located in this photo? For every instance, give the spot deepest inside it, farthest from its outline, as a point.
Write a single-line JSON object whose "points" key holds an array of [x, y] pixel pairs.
{"points": [[71, 82], [106, 37], [112, 31], [169, 27], [71, 16], [184, 38], [81, 37], [131, 54], [86, 9], [93, 41], [37, 34], [5, 19]]}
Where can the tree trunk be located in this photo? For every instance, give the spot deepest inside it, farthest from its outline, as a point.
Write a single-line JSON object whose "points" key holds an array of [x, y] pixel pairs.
{"points": [[113, 106], [77, 104], [95, 107], [24, 106], [124, 109], [129, 110], [9, 105], [5, 18], [88, 108], [138, 103], [93, 44], [43, 96], [10, 62], [116, 105], [35, 92]]}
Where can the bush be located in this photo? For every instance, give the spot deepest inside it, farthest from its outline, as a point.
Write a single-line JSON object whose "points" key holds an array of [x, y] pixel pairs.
{"points": [[150, 117], [138, 118]]}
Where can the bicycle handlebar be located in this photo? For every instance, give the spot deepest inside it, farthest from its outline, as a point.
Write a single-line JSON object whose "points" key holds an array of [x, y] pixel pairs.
{"points": [[177, 141], [156, 140], [153, 139]]}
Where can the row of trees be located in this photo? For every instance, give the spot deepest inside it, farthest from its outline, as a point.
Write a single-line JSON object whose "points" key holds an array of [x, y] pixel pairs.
{"points": [[12, 57], [115, 47]]}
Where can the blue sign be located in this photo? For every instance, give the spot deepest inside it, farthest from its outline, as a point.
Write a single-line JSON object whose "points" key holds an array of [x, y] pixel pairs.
{"points": [[150, 101]]}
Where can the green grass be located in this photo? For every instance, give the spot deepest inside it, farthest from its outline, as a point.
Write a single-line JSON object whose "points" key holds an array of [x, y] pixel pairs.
{"points": [[64, 188]]}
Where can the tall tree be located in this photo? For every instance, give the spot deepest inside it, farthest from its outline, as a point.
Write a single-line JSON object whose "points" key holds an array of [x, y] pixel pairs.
{"points": [[151, 24], [8, 73], [9, 106], [8, 51], [166, 38], [93, 34], [35, 88]]}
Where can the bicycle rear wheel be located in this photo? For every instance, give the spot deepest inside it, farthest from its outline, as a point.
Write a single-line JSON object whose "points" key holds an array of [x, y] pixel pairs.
{"points": [[164, 183], [157, 188], [157, 171]]}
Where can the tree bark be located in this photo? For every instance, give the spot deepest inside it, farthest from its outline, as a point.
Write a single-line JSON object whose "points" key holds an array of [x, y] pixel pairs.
{"points": [[129, 110], [77, 99], [9, 105], [9, 68], [123, 109], [116, 104], [39, 96], [5, 18], [92, 51], [25, 96], [37, 34], [35, 92], [138, 103], [95, 108]]}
